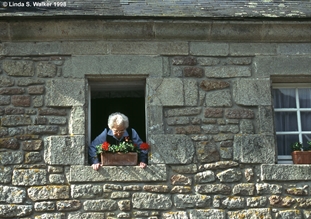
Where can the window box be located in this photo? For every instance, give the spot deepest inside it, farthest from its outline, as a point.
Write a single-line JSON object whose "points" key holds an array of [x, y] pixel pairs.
{"points": [[119, 159], [301, 157]]}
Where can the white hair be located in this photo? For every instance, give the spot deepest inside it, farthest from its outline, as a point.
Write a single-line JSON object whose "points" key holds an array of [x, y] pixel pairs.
{"points": [[118, 119]]}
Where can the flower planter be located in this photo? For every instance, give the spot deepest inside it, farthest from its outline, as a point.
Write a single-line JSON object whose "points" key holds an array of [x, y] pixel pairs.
{"points": [[301, 157], [119, 159]]}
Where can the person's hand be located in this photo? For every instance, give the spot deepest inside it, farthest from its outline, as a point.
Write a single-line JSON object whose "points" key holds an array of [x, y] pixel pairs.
{"points": [[142, 165], [96, 166]]}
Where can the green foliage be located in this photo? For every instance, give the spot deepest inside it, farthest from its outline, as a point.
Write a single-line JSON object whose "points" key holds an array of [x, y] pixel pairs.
{"points": [[123, 147], [298, 146]]}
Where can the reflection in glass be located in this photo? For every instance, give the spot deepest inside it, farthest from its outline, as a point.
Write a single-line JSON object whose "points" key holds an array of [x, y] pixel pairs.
{"points": [[305, 97], [284, 98], [305, 121], [284, 143], [286, 121]]}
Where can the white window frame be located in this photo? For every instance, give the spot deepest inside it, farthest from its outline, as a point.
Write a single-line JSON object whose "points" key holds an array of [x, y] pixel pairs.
{"points": [[287, 159]]}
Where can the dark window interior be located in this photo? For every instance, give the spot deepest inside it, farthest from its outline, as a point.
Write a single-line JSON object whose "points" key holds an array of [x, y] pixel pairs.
{"points": [[131, 103]]}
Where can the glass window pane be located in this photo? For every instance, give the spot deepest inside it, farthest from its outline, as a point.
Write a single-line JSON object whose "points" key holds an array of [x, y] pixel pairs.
{"points": [[305, 121], [305, 139], [284, 143], [284, 98], [286, 121], [305, 97]]}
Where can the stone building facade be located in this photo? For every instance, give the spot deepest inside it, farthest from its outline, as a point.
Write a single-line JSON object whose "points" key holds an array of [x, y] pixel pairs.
{"points": [[209, 117]]}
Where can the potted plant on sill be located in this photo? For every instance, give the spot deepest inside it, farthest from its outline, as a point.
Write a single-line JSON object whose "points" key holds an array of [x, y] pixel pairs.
{"points": [[300, 154], [123, 154]]}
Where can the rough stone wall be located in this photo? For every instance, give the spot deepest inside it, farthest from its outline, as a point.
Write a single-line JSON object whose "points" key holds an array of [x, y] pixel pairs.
{"points": [[209, 121]]}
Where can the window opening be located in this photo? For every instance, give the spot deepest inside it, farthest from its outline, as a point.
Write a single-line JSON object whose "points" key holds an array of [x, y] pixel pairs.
{"points": [[292, 109], [108, 96]]}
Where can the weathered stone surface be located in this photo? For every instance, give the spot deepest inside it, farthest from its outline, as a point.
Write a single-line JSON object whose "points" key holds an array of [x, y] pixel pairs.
{"points": [[208, 61], [37, 101], [15, 210], [175, 215], [256, 202], [292, 214], [39, 193], [205, 177], [193, 72], [232, 202], [112, 187], [191, 129], [15, 120], [190, 168], [207, 152], [165, 92], [42, 129], [55, 169], [239, 114], [132, 188], [18, 68], [44, 206], [210, 213], [57, 178], [118, 195], [218, 165], [191, 92], [39, 89], [213, 189], [33, 157], [69, 205], [188, 60], [14, 111], [171, 149], [263, 213], [11, 157], [124, 205], [86, 191], [78, 66], [100, 205], [213, 113], [9, 143], [29, 177], [183, 111], [226, 152], [178, 121], [244, 189], [86, 216], [5, 100], [32, 145], [69, 92], [77, 121], [249, 174], [246, 127], [21, 100], [278, 201], [64, 150], [156, 188], [302, 202], [114, 173], [50, 216], [227, 71], [52, 112], [191, 201], [12, 195], [29, 81], [5, 174], [284, 172], [254, 149], [219, 98], [12, 91], [6, 81], [230, 175], [268, 189], [181, 189], [208, 85], [151, 201], [281, 65], [180, 180], [209, 49], [300, 191], [45, 70], [252, 92], [266, 117]]}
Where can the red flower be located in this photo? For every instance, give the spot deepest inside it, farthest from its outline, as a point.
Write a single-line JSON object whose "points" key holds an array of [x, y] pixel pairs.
{"points": [[105, 146], [144, 146]]}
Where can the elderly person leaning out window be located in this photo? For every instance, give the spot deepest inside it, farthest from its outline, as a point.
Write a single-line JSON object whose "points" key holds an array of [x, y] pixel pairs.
{"points": [[118, 129]]}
